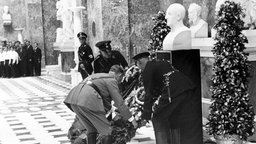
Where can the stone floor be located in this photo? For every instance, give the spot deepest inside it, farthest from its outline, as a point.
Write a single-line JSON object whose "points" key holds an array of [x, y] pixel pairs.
{"points": [[32, 112]]}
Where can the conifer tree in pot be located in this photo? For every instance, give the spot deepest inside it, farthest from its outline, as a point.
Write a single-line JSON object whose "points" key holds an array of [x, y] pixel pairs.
{"points": [[231, 118]]}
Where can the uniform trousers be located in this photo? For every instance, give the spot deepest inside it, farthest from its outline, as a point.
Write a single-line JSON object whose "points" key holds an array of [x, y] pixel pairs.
{"points": [[30, 68], [1, 68], [37, 67], [188, 133], [7, 69], [94, 122]]}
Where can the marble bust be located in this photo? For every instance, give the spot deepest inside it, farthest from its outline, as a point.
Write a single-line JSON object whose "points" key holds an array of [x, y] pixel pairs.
{"points": [[198, 27], [180, 36], [7, 19], [64, 14]]}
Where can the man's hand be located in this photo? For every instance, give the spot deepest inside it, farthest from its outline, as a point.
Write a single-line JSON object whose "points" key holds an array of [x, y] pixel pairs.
{"points": [[143, 122], [134, 123], [82, 66]]}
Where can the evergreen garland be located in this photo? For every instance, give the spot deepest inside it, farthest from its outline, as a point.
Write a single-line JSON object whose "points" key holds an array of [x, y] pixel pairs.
{"points": [[159, 31], [230, 112]]}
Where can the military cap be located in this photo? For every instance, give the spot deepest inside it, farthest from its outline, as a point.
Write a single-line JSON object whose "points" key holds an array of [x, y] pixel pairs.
{"points": [[103, 45], [141, 55], [81, 35]]}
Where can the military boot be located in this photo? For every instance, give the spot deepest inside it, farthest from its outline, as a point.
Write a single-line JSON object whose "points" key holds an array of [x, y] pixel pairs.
{"points": [[91, 138], [106, 139]]}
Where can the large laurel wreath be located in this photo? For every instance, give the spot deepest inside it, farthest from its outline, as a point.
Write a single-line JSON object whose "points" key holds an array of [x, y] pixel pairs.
{"points": [[133, 94]]}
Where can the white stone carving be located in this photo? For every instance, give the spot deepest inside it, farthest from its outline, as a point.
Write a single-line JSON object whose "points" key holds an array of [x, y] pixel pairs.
{"points": [[180, 36], [7, 18], [65, 15], [198, 27]]}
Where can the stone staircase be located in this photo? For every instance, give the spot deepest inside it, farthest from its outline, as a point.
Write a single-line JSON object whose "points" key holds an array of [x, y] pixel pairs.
{"points": [[55, 71]]}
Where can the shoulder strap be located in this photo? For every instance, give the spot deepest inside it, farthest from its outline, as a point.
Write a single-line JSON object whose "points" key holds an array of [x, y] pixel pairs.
{"points": [[107, 107], [95, 87]]}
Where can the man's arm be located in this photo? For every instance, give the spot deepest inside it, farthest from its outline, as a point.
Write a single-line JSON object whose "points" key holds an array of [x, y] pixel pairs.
{"points": [[148, 82], [97, 65], [117, 98], [90, 57], [123, 62]]}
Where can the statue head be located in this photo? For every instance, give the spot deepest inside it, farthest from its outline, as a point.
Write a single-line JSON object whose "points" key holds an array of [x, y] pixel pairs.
{"points": [[194, 12], [175, 15], [6, 9]]}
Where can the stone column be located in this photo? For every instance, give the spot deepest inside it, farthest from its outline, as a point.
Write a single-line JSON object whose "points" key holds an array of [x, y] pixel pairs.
{"points": [[78, 27], [20, 36]]}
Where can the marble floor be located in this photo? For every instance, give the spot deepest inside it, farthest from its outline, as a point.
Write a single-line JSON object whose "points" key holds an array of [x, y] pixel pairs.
{"points": [[32, 112]]}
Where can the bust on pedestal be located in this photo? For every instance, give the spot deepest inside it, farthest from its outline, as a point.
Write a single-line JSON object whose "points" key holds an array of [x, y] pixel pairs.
{"points": [[198, 27], [65, 34], [180, 36], [7, 18]]}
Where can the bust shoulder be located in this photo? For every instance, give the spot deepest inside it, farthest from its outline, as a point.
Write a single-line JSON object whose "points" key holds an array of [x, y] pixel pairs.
{"points": [[178, 39], [200, 29]]}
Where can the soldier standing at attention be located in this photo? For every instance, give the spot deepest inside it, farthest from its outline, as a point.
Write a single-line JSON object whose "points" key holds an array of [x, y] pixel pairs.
{"points": [[85, 56], [108, 58]]}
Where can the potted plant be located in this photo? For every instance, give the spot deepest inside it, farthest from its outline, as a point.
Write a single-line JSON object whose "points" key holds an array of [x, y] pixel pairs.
{"points": [[231, 118]]}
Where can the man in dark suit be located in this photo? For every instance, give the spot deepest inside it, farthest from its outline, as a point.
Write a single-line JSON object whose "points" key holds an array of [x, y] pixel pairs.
{"points": [[23, 59], [85, 56], [37, 57], [169, 102], [107, 58], [30, 61]]}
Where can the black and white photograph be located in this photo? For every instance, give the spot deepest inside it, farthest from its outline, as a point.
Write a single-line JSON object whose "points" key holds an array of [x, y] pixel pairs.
{"points": [[127, 71]]}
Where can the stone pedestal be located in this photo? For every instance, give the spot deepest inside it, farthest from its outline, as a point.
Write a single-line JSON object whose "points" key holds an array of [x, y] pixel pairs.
{"points": [[75, 77], [66, 55], [20, 36]]}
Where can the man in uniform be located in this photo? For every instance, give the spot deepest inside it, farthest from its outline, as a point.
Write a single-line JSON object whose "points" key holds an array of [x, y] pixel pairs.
{"points": [[1, 63], [30, 60], [91, 100], [108, 58], [37, 57], [85, 56], [170, 102]]}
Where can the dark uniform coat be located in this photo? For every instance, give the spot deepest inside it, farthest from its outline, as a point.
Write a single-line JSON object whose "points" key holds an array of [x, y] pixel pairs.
{"points": [[30, 52], [102, 65], [23, 60], [181, 112], [37, 57], [85, 56]]}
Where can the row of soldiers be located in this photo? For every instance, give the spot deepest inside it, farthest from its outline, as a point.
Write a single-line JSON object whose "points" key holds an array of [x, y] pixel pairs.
{"points": [[18, 59]]}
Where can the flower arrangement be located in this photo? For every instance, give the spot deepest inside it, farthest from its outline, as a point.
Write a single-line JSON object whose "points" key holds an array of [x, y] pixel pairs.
{"points": [[133, 94]]}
